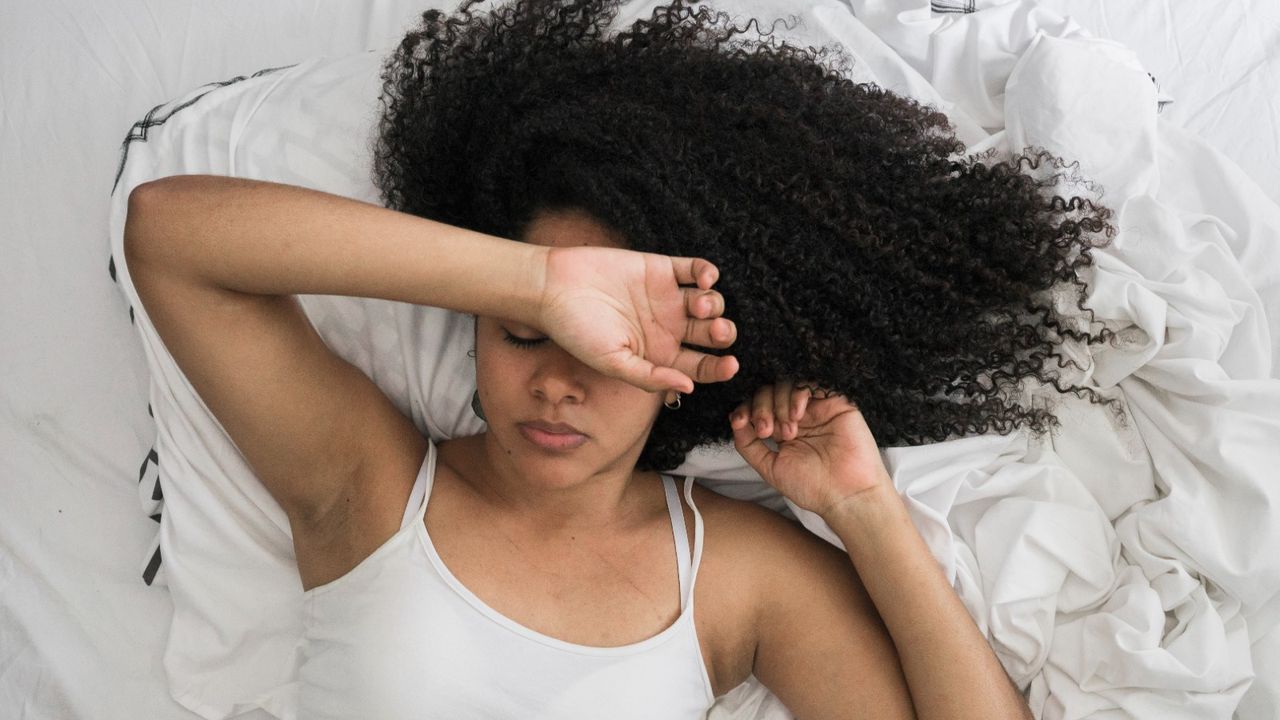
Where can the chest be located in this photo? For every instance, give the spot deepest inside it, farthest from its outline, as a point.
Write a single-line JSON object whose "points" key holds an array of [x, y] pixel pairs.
{"points": [[594, 591]]}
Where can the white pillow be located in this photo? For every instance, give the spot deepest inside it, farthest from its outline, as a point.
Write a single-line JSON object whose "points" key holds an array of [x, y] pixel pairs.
{"points": [[224, 548]]}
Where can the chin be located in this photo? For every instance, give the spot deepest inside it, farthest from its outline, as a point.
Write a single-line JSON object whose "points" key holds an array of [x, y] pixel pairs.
{"points": [[550, 473]]}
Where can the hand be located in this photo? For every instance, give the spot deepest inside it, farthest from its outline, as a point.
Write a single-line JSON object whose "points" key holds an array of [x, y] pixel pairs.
{"points": [[826, 454], [625, 314]]}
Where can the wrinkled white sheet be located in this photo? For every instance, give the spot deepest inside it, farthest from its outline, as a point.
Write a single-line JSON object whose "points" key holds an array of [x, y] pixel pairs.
{"points": [[1218, 62]]}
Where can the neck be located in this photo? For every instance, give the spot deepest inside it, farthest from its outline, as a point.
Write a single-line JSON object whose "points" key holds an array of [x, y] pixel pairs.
{"points": [[549, 499]]}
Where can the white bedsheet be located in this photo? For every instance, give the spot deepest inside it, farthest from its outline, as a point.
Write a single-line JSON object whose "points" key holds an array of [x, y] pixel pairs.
{"points": [[1151, 558]]}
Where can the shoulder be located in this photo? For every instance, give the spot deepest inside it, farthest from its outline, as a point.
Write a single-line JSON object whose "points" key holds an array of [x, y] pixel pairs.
{"points": [[777, 565], [756, 565], [755, 538], [804, 613]]}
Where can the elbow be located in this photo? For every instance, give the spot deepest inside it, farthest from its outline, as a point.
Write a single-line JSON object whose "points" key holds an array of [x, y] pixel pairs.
{"points": [[148, 217], [139, 225]]}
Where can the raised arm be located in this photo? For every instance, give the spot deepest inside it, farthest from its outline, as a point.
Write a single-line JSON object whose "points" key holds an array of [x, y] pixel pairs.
{"points": [[828, 636], [265, 238], [216, 262]]}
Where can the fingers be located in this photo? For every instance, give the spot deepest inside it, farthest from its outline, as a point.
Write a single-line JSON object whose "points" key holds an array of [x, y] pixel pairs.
{"points": [[695, 271], [800, 402], [717, 333], [703, 303], [762, 411], [776, 410], [690, 367], [705, 368], [786, 426], [771, 412], [752, 448], [644, 374], [705, 327]]}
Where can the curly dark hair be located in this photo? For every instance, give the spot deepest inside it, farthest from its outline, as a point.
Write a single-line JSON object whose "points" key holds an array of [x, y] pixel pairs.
{"points": [[859, 248]]}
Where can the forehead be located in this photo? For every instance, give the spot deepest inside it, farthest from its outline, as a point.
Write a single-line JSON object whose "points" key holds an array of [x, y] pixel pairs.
{"points": [[570, 228]]}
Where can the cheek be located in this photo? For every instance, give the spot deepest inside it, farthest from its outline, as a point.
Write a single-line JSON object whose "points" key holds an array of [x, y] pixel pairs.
{"points": [[639, 407], [498, 373]]}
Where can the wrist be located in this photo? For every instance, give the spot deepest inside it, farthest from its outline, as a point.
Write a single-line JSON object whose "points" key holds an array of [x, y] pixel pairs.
{"points": [[863, 502], [528, 301], [863, 517], [502, 279]]}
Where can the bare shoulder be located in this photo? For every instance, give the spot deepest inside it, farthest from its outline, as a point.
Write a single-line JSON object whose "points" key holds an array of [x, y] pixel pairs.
{"points": [[777, 564], [760, 538], [750, 555], [805, 625]]}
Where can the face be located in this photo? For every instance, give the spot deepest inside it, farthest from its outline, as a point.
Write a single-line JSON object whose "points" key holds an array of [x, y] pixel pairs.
{"points": [[524, 377]]}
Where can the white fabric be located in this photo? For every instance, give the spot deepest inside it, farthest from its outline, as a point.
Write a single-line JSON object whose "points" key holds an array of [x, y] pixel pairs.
{"points": [[80, 636], [1217, 63], [400, 637], [1194, 281]]}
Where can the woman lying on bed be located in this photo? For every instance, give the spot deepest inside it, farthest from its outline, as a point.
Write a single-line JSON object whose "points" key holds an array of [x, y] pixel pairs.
{"points": [[528, 571]]}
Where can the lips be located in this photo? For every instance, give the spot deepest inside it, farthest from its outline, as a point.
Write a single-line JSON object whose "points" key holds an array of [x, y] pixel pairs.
{"points": [[552, 436]]}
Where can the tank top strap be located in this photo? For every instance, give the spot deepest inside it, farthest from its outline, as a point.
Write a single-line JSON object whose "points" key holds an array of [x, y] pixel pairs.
{"points": [[417, 505], [697, 536], [686, 562], [681, 536]]}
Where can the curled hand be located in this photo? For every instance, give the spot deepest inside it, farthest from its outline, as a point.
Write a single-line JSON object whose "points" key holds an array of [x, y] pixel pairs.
{"points": [[826, 454]]}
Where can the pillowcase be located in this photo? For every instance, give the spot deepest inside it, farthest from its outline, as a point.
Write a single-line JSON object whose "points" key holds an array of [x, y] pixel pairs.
{"points": [[224, 547]]}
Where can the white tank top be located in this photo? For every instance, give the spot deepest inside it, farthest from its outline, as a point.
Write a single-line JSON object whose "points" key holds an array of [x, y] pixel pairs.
{"points": [[400, 637]]}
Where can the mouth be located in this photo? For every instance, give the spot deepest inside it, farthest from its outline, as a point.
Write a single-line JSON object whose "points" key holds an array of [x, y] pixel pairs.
{"points": [[552, 436]]}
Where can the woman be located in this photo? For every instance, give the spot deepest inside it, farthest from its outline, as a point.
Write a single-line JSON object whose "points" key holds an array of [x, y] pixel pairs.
{"points": [[550, 532], [526, 570]]}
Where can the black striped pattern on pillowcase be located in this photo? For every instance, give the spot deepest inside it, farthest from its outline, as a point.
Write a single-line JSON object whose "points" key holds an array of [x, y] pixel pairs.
{"points": [[149, 472]]}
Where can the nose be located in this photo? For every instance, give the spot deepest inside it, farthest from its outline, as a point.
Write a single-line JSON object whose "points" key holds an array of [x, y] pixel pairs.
{"points": [[559, 377]]}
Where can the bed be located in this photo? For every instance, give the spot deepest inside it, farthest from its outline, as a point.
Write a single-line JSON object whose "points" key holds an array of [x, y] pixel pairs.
{"points": [[82, 634]]}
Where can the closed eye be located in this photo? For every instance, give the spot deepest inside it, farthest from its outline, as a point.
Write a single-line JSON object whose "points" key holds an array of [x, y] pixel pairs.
{"points": [[522, 342]]}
